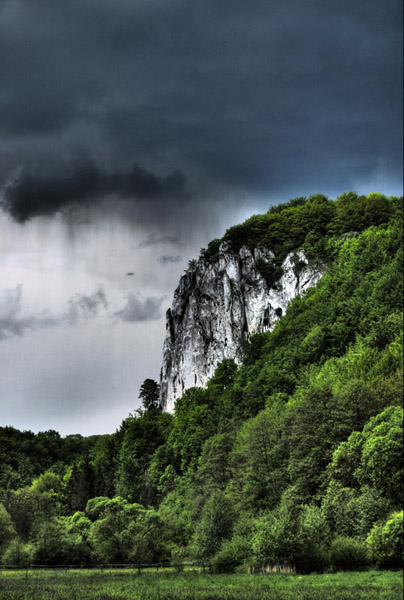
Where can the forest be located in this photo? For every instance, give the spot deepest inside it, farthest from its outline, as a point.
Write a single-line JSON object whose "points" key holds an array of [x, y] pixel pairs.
{"points": [[292, 459]]}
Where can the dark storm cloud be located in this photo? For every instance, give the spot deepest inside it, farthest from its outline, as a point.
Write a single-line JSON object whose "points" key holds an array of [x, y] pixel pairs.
{"points": [[265, 97], [41, 118], [29, 197], [169, 258], [139, 309]]}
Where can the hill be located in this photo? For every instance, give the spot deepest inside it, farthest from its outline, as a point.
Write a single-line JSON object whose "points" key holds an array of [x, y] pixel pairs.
{"points": [[293, 456]]}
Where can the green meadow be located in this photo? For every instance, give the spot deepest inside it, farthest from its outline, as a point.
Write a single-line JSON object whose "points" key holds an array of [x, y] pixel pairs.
{"points": [[193, 585]]}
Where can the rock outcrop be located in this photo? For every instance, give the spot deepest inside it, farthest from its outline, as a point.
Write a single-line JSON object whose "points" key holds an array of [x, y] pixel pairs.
{"points": [[217, 305]]}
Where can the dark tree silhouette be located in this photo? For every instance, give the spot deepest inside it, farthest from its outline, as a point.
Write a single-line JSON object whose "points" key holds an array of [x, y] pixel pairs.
{"points": [[149, 393]]}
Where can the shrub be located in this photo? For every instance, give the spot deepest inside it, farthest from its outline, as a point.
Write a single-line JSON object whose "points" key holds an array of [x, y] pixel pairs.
{"points": [[352, 513], [314, 538], [348, 554], [18, 554], [385, 542], [226, 560], [178, 555], [231, 555], [366, 509], [288, 538]]}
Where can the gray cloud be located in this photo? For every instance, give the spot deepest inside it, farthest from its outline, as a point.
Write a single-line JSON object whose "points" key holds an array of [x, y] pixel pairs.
{"points": [[11, 322], [28, 196], [154, 239], [140, 309], [80, 308], [84, 307], [166, 259]]}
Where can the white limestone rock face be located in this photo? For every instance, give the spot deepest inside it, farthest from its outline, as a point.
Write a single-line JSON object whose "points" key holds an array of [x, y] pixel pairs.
{"points": [[217, 306]]}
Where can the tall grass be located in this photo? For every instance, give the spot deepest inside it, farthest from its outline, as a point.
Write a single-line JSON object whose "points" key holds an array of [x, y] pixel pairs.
{"points": [[130, 585]]}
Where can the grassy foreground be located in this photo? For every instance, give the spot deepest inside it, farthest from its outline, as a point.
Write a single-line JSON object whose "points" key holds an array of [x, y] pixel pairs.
{"points": [[130, 585]]}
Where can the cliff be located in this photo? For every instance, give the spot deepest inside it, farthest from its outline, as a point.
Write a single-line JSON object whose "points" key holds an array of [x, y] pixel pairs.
{"points": [[218, 304]]}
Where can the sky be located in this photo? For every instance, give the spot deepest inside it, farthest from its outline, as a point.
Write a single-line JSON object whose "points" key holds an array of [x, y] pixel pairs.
{"points": [[132, 132]]}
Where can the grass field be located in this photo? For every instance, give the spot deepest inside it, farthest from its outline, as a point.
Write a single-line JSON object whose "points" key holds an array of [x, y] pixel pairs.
{"points": [[130, 585]]}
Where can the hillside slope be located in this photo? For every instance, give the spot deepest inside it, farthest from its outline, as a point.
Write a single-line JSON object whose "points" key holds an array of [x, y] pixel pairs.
{"points": [[293, 456]]}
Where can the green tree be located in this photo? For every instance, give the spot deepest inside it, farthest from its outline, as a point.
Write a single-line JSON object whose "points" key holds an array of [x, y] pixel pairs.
{"points": [[351, 512], [7, 529], [314, 539], [51, 545], [385, 542], [28, 508], [382, 454], [149, 393], [79, 526], [49, 483], [80, 484], [258, 460], [18, 554], [140, 435], [104, 462], [292, 536], [216, 524], [126, 532], [373, 457], [275, 539], [214, 468]]}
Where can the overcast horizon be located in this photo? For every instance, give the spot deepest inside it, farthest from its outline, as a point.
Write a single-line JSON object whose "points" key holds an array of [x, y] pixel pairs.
{"points": [[133, 133]]}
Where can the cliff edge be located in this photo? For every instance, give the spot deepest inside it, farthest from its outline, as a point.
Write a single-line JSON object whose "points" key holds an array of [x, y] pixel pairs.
{"points": [[218, 304]]}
